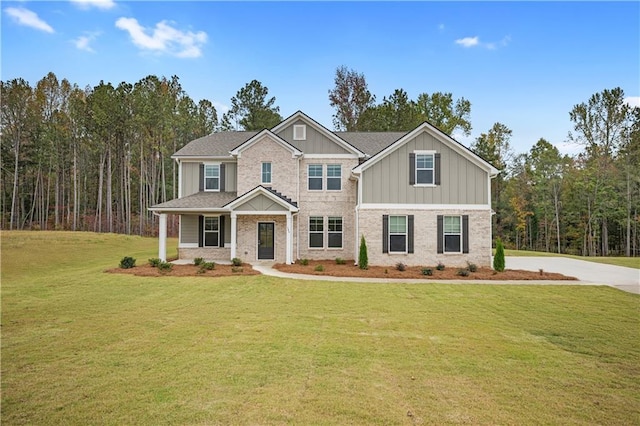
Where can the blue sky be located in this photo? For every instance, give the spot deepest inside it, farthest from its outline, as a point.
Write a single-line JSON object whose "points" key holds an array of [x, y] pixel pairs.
{"points": [[524, 64]]}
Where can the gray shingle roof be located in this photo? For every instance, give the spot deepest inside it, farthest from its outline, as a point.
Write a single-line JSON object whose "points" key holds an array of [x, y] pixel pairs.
{"points": [[199, 200], [214, 145], [370, 142]]}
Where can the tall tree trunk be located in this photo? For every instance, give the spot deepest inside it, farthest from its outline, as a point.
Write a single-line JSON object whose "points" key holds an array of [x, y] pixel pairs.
{"points": [[108, 204], [99, 200], [627, 251], [557, 211], [14, 196]]}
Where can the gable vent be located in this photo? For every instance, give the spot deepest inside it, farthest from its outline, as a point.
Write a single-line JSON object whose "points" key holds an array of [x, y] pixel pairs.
{"points": [[299, 132]]}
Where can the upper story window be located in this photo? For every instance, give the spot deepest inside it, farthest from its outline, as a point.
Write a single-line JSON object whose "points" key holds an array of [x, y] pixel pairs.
{"points": [[424, 169], [452, 234], [315, 177], [299, 132], [334, 177], [212, 177], [266, 173]]}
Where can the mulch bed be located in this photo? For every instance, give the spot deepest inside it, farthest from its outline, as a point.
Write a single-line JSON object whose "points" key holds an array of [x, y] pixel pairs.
{"points": [[414, 272], [187, 271]]}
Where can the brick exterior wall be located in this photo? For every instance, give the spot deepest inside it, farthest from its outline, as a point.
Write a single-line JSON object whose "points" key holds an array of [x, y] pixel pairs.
{"points": [[283, 167], [207, 253], [247, 226], [425, 238]]}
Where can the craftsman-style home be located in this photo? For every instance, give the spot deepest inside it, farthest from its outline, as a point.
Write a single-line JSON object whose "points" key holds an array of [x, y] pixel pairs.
{"points": [[299, 190]]}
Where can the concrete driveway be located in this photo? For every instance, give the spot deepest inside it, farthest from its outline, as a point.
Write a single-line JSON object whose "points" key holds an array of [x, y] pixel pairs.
{"points": [[620, 277]]}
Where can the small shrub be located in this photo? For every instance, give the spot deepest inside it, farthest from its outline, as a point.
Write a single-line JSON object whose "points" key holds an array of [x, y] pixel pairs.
{"points": [[165, 266], [541, 271], [498, 259], [198, 261], [463, 272], [401, 266], [363, 257], [472, 267], [236, 269], [154, 262], [127, 262], [340, 261], [440, 266], [319, 268], [236, 261], [386, 271], [427, 271], [304, 262], [206, 266]]}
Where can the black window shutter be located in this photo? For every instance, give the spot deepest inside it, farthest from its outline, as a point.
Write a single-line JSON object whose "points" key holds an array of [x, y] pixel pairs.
{"points": [[385, 233], [222, 177], [440, 234], [200, 230], [221, 241], [410, 233], [465, 233], [436, 179], [201, 178], [412, 168]]}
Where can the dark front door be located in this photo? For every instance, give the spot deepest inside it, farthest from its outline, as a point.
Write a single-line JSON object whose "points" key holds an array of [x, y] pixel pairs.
{"points": [[265, 240]]}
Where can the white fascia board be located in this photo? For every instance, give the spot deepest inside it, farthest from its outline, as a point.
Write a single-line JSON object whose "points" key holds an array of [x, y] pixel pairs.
{"points": [[255, 192], [202, 158], [389, 206], [236, 152], [331, 156], [320, 128], [178, 210]]}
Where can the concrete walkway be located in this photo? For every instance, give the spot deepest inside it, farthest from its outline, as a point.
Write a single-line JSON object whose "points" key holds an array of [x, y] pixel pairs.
{"points": [[627, 279]]}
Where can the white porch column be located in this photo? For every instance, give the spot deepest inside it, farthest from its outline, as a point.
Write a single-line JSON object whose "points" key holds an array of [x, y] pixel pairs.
{"points": [[234, 226], [289, 255], [162, 237]]}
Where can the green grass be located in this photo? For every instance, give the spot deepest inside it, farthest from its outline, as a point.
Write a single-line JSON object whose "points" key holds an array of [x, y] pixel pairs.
{"points": [[629, 262], [80, 346]]}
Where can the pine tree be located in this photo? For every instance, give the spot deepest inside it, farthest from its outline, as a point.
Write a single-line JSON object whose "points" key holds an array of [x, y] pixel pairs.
{"points": [[498, 260]]}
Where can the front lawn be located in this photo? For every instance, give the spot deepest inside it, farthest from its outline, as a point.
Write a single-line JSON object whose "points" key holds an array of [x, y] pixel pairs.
{"points": [[80, 346]]}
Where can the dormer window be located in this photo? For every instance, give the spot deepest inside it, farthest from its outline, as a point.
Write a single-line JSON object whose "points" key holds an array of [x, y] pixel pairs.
{"points": [[299, 132]]}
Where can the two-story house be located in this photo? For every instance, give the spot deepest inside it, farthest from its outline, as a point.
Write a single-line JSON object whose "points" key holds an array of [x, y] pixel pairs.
{"points": [[299, 190]]}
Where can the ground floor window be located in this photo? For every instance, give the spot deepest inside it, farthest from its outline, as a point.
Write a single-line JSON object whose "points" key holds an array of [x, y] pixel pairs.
{"points": [[335, 232], [211, 231], [398, 234], [452, 234], [316, 232]]}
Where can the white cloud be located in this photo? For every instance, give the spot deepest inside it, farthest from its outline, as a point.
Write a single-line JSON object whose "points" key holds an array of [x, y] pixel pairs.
{"points": [[632, 101], [100, 4], [475, 42], [83, 41], [468, 41], [441, 27], [28, 18], [164, 38]]}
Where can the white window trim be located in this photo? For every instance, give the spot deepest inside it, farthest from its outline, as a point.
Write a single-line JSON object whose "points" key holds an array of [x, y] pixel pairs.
{"points": [[406, 234], [427, 185], [205, 177], [262, 181], [333, 177], [204, 232], [315, 177], [303, 128], [445, 233], [336, 232], [309, 232]]}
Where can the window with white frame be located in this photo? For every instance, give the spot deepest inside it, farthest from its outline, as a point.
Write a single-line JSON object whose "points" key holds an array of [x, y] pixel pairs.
{"points": [[299, 132], [452, 234], [334, 177], [315, 177], [397, 234], [334, 232], [266, 173], [424, 169], [316, 232], [211, 230], [212, 177]]}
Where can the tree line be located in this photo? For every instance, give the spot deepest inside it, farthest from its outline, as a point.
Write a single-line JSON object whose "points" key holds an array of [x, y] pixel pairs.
{"points": [[96, 158]]}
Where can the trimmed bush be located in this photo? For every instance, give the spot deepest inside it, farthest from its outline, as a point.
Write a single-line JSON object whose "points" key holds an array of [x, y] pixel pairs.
{"points": [[236, 269], [319, 268], [154, 262], [463, 272], [401, 266], [498, 259], [198, 261], [304, 262], [472, 267], [165, 266], [127, 262], [340, 261], [427, 271], [206, 266], [236, 261], [440, 266], [363, 257]]}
